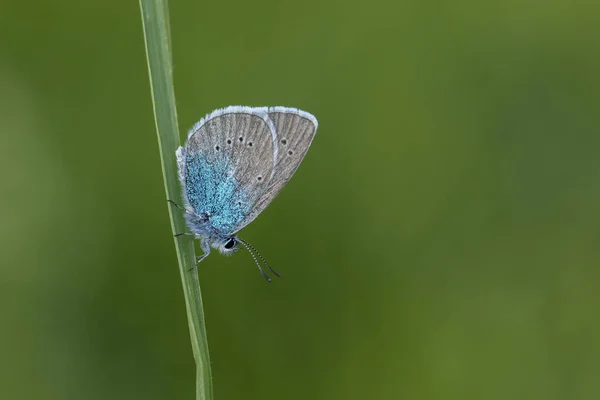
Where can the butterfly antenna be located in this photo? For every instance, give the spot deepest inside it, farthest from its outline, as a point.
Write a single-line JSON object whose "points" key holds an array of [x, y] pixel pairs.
{"points": [[248, 245]]}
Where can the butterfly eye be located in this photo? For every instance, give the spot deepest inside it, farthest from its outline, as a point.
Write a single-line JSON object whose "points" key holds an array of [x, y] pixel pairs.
{"points": [[230, 244], [228, 141], [290, 152], [283, 141]]}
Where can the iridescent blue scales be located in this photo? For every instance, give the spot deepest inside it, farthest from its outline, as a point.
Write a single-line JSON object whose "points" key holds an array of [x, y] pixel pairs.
{"points": [[213, 191], [235, 161]]}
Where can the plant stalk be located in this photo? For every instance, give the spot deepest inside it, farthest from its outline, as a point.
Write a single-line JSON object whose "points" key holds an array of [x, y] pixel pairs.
{"points": [[155, 21]]}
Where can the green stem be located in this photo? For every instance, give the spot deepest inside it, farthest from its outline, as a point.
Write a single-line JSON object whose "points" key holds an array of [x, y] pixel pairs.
{"points": [[155, 20]]}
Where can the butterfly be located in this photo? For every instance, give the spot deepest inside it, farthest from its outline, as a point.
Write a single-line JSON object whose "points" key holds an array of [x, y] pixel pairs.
{"points": [[234, 163]]}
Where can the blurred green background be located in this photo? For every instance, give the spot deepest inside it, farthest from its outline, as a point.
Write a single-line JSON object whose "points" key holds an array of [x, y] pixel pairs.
{"points": [[440, 241]]}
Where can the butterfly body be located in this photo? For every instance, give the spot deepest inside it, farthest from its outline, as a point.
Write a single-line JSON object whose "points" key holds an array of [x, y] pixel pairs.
{"points": [[234, 163]]}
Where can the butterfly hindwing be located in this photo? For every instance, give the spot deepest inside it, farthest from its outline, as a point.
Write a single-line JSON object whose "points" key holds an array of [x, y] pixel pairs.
{"points": [[227, 164]]}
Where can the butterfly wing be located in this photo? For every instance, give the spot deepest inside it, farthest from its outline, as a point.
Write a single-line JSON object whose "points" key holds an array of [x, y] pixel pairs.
{"points": [[295, 130], [227, 164]]}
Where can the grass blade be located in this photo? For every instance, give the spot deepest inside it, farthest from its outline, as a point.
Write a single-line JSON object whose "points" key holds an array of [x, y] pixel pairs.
{"points": [[155, 20]]}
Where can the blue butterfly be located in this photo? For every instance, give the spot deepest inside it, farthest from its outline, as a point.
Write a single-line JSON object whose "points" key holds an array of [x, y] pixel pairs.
{"points": [[234, 162]]}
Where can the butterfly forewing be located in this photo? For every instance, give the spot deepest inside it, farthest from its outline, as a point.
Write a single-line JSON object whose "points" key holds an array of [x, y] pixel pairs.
{"points": [[228, 164], [295, 130]]}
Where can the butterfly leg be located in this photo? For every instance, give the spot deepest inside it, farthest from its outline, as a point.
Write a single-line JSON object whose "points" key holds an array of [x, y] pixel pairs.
{"points": [[203, 217], [183, 234], [178, 206], [206, 249]]}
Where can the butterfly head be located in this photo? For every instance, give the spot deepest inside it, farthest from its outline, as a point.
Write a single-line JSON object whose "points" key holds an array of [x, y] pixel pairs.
{"points": [[227, 245]]}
